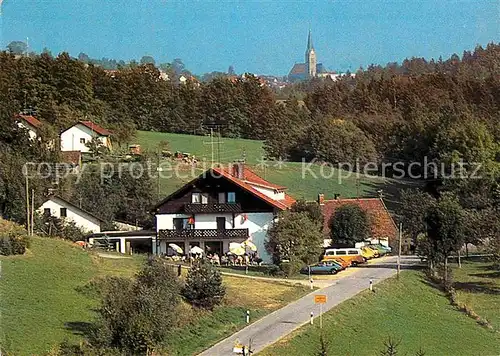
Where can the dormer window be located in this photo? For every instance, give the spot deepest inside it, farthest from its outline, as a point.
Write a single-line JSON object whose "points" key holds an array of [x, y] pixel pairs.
{"points": [[196, 198]]}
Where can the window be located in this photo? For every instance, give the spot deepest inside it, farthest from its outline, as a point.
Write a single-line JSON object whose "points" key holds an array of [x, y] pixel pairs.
{"points": [[341, 253], [183, 223], [231, 197], [63, 212], [196, 198], [330, 253], [204, 198], [353, 252], [222, 198], [221, 223], [46, 212], [82, 140]]}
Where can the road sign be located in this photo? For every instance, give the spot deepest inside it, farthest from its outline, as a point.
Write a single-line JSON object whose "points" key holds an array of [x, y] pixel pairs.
{"points": [[320, 299]]}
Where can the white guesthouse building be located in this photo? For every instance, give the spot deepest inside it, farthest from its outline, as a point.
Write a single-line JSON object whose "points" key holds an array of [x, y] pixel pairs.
{"points": [[79, 135], [221, 206], [62, 209]]}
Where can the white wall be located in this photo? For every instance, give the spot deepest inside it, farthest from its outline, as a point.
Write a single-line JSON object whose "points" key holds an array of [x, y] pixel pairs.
{"points": [[166, 221], [80, 218], [70, 139], [209, 221], [31, 129], [269, 192], [257, 225]]}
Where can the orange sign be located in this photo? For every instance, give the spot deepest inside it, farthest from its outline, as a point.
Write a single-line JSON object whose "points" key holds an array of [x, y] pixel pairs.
{"points": [[320, 299]]}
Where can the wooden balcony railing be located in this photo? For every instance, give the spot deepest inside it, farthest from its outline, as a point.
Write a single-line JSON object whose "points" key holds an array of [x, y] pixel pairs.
{"points": [[212, 208], [203, 234]]}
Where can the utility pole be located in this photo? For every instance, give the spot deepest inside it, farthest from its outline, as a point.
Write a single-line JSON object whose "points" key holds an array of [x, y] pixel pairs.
{"points": [[32, 211], [212, 143], [399, 247], [28, 227], [158, 169]]}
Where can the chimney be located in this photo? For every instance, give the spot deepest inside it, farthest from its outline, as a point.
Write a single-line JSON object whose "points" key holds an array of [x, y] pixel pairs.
{"points": [[321, 199], [238, 170]]}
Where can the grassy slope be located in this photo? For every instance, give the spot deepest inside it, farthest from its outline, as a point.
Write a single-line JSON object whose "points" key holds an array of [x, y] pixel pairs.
{"points": [[289, 175], [478, 285], [409, 310], [39, 297]]}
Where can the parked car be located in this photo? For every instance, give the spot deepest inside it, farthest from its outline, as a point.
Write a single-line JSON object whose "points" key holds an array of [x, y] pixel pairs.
{"points": [[381, 251], [387, 249], [367, 253], [353, 256], [329, 267]]}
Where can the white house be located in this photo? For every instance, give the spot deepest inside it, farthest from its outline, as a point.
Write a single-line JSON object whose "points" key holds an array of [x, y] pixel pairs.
{"points": [[63, 209], [29, 123], [79, 135], [221, 206]]}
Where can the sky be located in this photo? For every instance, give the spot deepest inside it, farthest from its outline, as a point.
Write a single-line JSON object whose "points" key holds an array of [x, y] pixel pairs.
{"points": [[262, 37]]}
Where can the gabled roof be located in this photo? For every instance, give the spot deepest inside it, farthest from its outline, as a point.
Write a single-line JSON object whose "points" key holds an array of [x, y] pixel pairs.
{"points": [[30, 119], [251, 177], [245, 185], [75, 207], [280, 204], [298, 68], [382, 224], [96, 128]]}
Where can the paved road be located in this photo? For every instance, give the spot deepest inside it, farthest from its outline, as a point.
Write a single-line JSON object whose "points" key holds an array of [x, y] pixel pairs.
{"points": [[280, 323]]}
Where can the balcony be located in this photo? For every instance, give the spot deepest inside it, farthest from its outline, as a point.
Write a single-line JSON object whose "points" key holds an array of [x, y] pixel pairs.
{"points": [[212, 208], [203, 234]]}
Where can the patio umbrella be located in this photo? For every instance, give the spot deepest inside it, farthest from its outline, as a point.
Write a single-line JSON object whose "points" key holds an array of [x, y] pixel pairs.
{"points": [[250, 245], [196, 250], [236, 248], [176, 248]]}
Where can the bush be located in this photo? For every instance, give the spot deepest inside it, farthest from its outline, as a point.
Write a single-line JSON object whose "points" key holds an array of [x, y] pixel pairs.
{"points": [[291, 268], [204, 288], [13, 241], [136, 316]]}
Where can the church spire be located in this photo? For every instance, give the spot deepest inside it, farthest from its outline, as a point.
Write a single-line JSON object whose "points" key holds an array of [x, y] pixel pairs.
{"points": [[309, 42]]}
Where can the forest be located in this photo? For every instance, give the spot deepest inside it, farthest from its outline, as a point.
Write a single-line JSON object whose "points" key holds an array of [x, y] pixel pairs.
{"points": [[444, 111]]}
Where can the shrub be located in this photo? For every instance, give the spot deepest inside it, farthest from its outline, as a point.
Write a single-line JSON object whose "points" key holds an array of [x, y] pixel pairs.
{"points": [[291, 268], [136, 316], [204, 288], [13, 240]]}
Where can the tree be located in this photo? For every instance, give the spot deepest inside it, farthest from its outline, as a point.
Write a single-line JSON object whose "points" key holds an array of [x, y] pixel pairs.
{"points": [[350, 224], [147, 60], [17, 47], [415, 204], [312, 209], [445, 230], [135, 316], [340, 141], [295, 238], [204, 288]]}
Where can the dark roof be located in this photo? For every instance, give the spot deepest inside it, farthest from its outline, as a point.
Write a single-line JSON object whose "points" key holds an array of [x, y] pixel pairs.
{"points": [[30, 119], [382, 224], [96, 128], [112, 234], [74, 206], [248, 177], [298, 68]]}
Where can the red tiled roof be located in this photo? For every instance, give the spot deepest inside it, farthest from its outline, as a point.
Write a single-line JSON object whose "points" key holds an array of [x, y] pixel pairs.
{"points": [[382, 224], [96, 128], [73, 157], [252, 177], [280, 204], [33, 121]]}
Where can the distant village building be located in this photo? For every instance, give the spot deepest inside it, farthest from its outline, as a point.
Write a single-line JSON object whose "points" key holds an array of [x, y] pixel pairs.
{"points": [[62, 209], [30, 123], [78, 136], [383, 227], [309, 69], [221, 206]]}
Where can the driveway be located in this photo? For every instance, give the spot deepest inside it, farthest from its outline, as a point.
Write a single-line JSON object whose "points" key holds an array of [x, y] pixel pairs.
{"points": [[281, 322]]}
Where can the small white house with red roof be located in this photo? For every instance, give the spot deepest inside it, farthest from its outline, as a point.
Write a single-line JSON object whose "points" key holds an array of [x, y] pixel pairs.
{"points": [[221, 206], [30, 123], [78, 136]]}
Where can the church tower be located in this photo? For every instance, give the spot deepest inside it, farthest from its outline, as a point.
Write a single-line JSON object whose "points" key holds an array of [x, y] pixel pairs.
{"points": [[310, 58]]}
